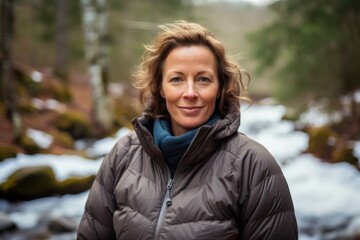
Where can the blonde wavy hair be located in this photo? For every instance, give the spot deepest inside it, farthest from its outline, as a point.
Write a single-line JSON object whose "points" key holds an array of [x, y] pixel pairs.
{"points": [[148, 77]]}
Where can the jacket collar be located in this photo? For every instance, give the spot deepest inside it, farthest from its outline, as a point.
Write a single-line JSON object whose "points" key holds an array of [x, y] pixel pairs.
{"points": [[204, 143]]}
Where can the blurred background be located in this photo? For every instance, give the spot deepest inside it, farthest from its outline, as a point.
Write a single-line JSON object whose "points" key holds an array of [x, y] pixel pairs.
{"points": [[66, 97]]}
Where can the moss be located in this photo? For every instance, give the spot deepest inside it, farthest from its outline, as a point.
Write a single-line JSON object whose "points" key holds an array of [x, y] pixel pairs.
{"points": [[27, 107], [29, 183], [326, 144], [124, 112], [28, 144], [74, 123], [75, 185], [40, 181], [344, 154], [7, 152], [64, 139], [59, 91], [322, 141], [26, 84]]}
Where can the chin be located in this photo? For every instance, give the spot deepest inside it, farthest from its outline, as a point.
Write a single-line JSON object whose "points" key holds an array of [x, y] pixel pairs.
{"points": [[193, 124]]}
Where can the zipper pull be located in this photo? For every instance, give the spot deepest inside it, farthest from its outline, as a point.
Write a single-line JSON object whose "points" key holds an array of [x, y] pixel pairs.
{"points": [[170, 183], [168, 188]]}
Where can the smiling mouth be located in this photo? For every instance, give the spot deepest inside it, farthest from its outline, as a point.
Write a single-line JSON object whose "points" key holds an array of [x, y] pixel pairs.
{"points": [[190, 110]]}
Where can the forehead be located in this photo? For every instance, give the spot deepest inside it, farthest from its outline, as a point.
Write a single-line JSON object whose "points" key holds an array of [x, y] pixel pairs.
{"points": [[190, 57]]}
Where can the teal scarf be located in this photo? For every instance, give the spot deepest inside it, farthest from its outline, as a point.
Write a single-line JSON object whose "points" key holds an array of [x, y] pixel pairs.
{"points": [[174, 147]]}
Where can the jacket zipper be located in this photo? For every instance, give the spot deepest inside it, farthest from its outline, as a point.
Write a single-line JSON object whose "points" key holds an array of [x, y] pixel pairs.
{"points": [[166, 203]]}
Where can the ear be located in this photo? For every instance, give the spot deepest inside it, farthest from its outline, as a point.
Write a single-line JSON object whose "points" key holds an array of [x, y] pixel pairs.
{"points": [[162, 93]]}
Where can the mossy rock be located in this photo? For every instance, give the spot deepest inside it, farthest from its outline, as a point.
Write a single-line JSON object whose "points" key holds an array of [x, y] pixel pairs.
{"points": [[63, 139], [29, 183], [124, 112], [28, 85], [27, 107], [7, 152], [344, 154], [322, 141], [58, 90], [40, 181], [74, 185], [74, 123], [28, 144]]}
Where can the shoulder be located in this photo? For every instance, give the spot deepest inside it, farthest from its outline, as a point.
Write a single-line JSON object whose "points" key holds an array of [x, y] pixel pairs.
{"points": [[121, 153], [251, 158], [240, 143], [126, 142]]}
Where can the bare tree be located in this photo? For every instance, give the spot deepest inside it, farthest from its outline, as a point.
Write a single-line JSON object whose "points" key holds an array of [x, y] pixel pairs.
{"points": [[61, 38], [6, 74], [94, 24]]}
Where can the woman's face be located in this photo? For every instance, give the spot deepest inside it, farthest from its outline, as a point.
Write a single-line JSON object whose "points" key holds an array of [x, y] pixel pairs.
{"points": [[190, 87]]}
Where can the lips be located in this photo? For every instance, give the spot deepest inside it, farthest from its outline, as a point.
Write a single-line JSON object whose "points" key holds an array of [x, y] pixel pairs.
{"points": [[190, 109]]}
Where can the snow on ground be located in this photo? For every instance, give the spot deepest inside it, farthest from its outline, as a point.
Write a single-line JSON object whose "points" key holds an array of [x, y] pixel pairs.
{"points": [[42, 139], [64, 166], [263, 123], [103, 146], [325, 195]]}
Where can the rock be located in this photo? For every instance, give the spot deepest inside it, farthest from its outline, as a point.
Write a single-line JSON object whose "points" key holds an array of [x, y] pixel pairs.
{"points": [[61, 225], [36, 182], [7, 152], [29, 183], [327, 145], [322, 141], [74, 185], [75, 123], [28, 144], [6, 224]]}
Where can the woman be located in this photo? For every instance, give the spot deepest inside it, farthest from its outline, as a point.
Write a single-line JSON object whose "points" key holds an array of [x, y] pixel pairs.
{"points": [[186, 172]]}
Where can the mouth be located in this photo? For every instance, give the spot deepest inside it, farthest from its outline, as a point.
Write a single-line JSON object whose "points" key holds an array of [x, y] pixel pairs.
{"points": [[190, 109]]}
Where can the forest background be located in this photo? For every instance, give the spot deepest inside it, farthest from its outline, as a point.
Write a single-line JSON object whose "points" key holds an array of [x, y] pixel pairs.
{"points": [[66, 65]]}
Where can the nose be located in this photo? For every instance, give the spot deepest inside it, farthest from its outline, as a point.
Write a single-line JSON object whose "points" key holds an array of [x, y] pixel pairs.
{"points": [[190, 91]]}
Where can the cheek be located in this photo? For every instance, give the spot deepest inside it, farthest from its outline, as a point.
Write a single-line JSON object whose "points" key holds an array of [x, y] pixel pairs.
{"points": [[212, 96]]}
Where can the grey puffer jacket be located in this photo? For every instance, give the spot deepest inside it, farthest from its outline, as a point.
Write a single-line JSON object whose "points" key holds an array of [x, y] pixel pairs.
{"points": [[226, 186]]}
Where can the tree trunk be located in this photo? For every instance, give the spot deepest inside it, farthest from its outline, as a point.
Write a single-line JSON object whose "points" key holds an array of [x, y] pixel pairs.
{"points": [[61, 39], [94, 25], [7, 78]]}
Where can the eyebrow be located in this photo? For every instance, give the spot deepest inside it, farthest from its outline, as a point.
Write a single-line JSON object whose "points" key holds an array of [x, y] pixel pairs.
{"points": [[201, 72]]}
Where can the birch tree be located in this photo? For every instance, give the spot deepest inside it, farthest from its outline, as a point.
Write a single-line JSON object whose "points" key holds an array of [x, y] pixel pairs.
{"points": [[6, 77], [61, 38], [95, 32]]}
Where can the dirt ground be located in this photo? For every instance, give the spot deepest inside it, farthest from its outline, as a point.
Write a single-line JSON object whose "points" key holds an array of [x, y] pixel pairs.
{"points": [[43, 119]]}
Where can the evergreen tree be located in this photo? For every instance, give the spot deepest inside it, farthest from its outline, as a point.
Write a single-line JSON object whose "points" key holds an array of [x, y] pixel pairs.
{"points": [[313, 46]]}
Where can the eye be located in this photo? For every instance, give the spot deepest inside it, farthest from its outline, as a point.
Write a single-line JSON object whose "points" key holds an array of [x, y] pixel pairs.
{"points": [[175, 79], [204, 79]]}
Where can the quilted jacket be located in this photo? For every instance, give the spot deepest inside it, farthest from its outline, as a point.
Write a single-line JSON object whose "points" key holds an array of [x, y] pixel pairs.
{"points": [[226, 186]]}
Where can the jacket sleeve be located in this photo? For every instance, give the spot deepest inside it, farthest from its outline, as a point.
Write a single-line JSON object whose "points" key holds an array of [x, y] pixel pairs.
{"points": [[97, 219], [267, 211]]}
